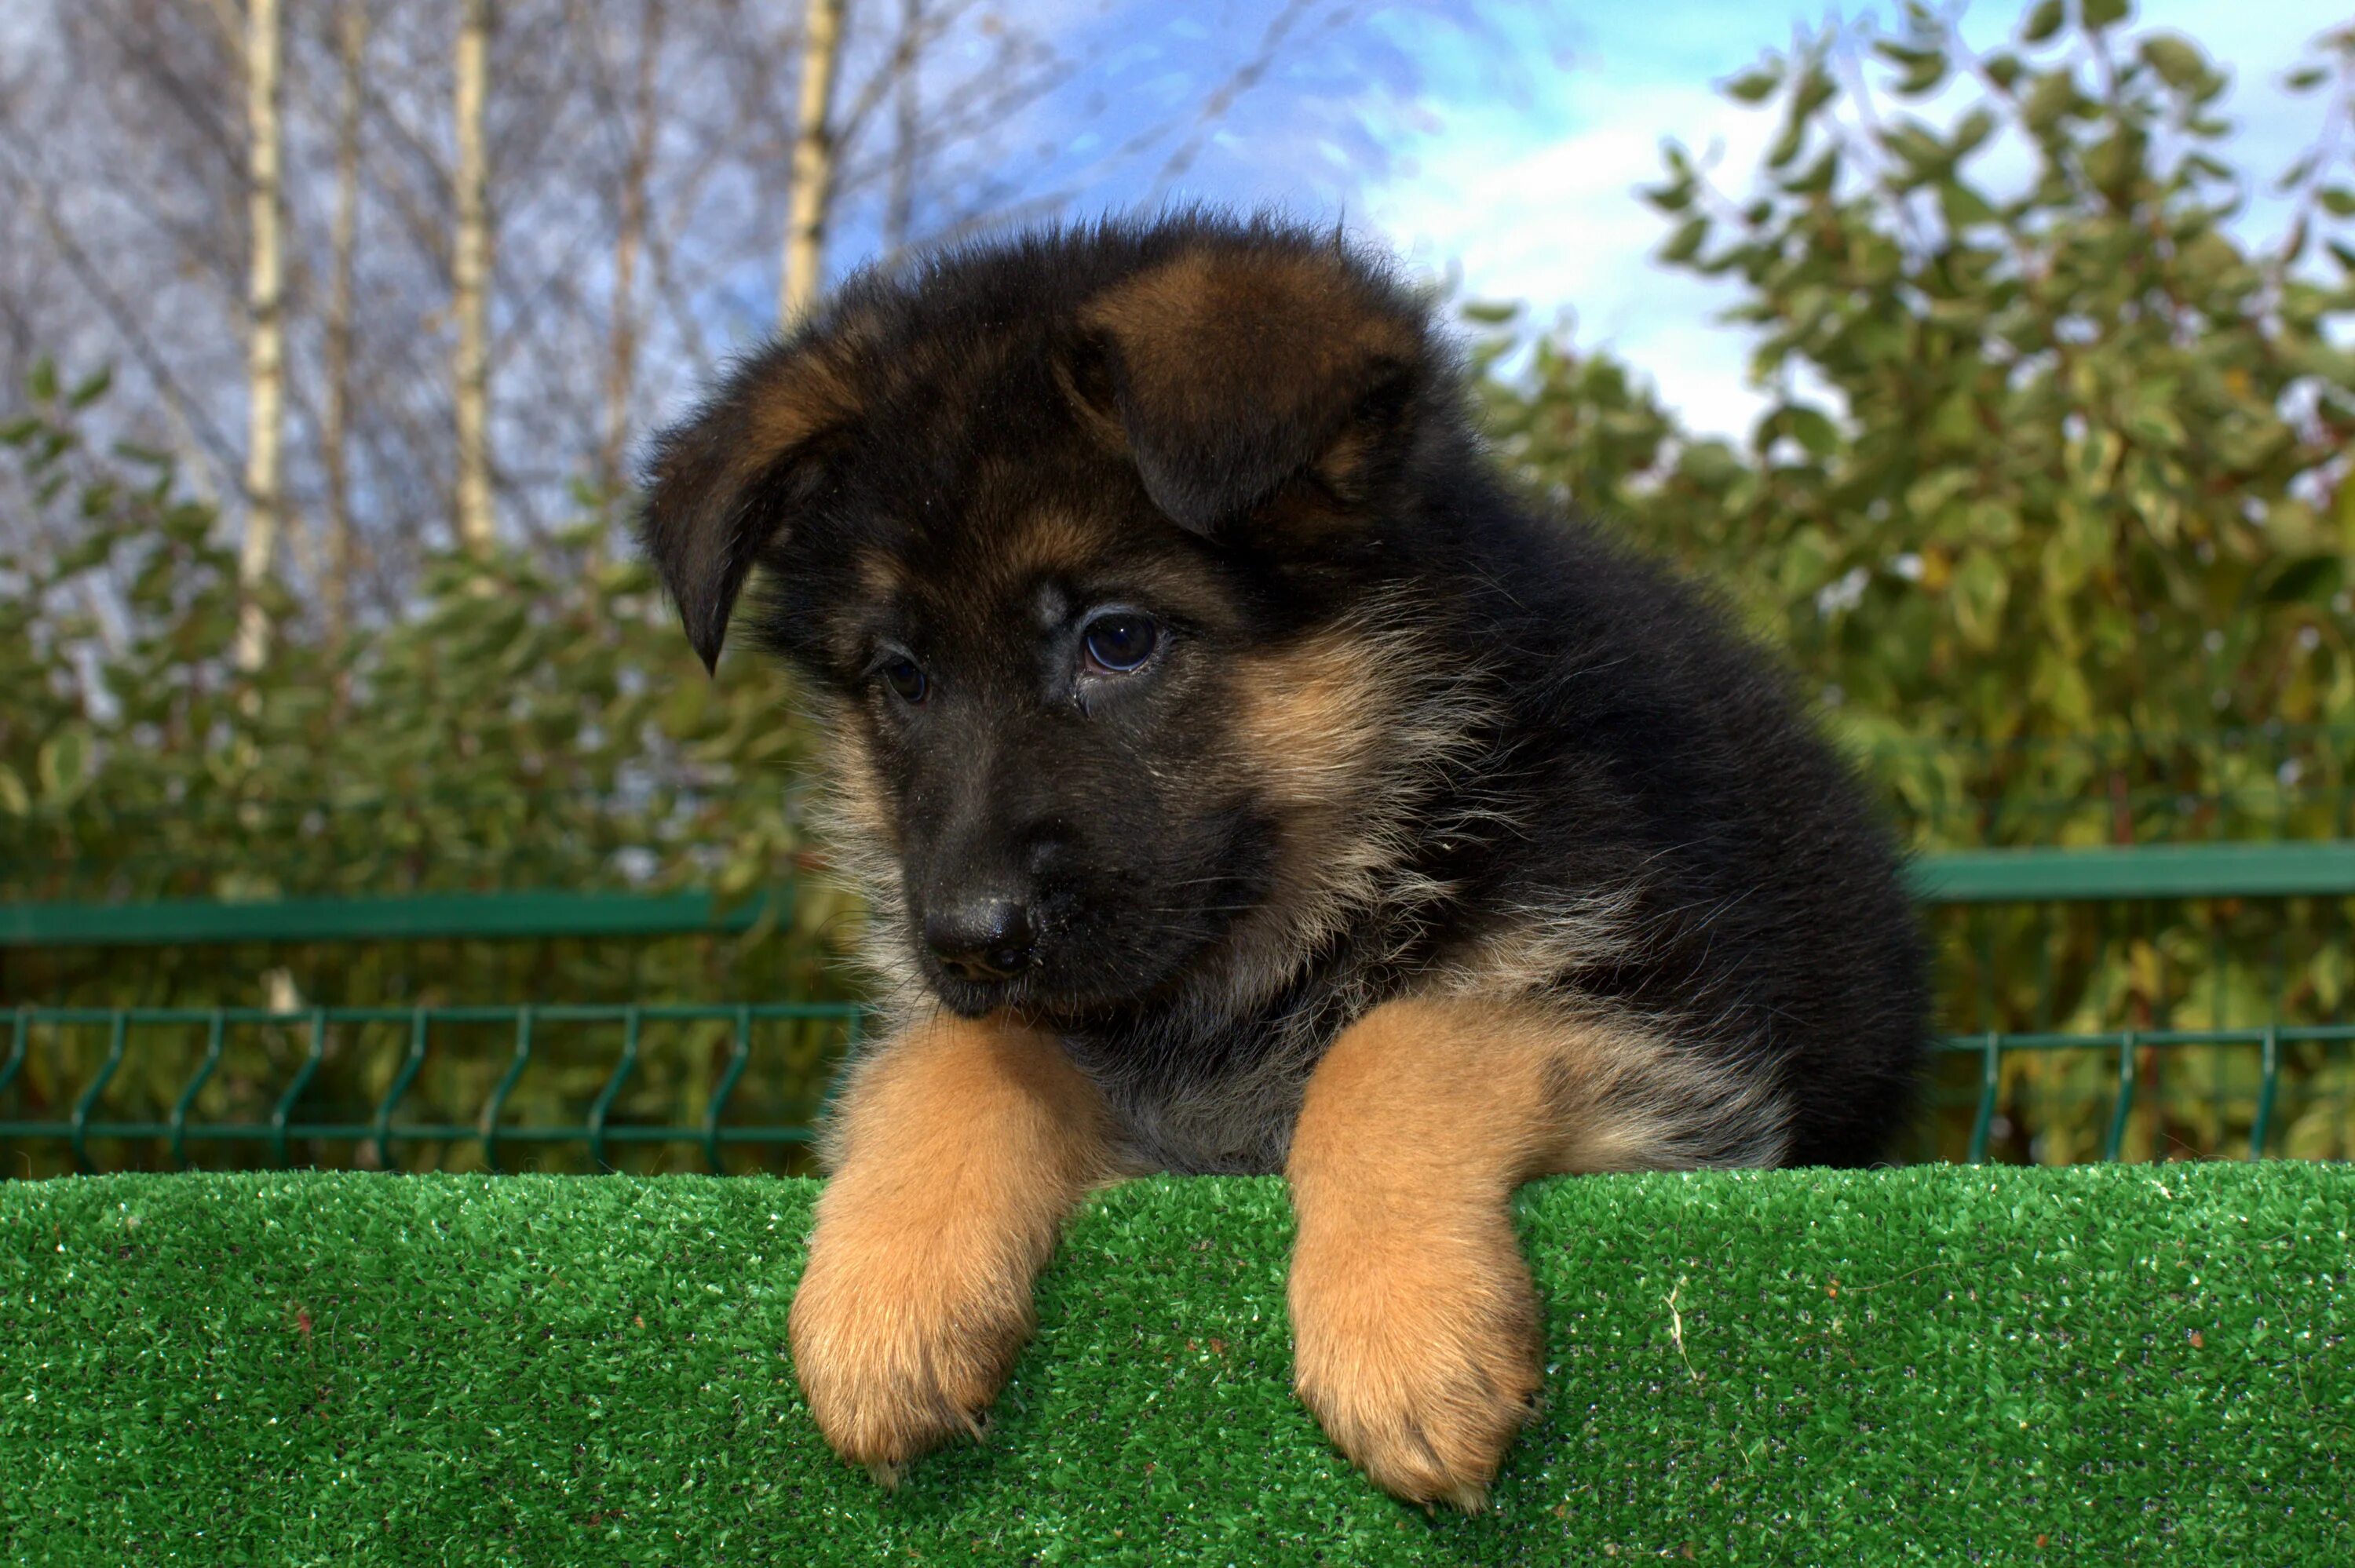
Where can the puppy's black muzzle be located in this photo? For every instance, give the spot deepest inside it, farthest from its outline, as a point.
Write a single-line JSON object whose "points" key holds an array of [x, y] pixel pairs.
{"points": [[985, 940]]}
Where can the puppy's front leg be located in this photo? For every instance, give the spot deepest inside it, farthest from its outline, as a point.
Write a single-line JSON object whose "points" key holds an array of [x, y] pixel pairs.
{"points": [[1415, 1328], [960, 1147]]}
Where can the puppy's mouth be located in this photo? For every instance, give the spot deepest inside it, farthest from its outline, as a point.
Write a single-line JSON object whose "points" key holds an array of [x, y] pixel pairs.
{"points": [[1087, 966], [975, 998], [1048, 992]]}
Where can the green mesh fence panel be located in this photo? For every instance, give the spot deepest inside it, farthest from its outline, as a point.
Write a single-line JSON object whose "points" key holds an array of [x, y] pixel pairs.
{"points": [[2176, 1000]]}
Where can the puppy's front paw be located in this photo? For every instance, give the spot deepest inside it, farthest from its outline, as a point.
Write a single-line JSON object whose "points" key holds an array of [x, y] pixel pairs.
{"points": [[1419, 1356], [901, 1343]]}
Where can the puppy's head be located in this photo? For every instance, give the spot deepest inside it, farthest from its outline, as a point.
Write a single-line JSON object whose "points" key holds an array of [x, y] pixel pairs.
{"points": [[1074, 538]]}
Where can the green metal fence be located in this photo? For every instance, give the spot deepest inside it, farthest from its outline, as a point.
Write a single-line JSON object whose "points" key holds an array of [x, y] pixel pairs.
{"points": [[2185, 1000], [416, 1116], [2094, 970], [289, 1130]]}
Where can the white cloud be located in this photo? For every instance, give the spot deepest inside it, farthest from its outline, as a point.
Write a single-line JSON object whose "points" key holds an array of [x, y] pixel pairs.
{"points": [[1560, 225]]}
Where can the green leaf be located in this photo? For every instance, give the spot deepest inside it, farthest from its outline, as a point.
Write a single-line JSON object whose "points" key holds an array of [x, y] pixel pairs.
{"points": [[2060, 683], [1980, 591], [2054, 97], [91, 550], [91, 389], [2176, 59], [1755, 85], [1972, 131], [1927, 495], [63, 765], [1685, 242], [2044, 21], [41, 381], [1923, 77], [1961, 205], [1803, 565], [1818, 177], [14, 798], [2080, 544], [1913, 141], [1817, 89], [2311, 579], [2155, 424], [1957, 419], [1673, 196], [146, 457], [2100, 14], [1811, 428]]}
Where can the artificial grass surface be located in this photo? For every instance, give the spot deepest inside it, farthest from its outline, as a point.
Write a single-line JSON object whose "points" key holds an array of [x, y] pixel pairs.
{"points": [[1941, 1364]]}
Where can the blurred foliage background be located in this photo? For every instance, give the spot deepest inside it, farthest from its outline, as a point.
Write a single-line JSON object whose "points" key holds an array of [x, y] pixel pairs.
{"points": [[2052, 515]]}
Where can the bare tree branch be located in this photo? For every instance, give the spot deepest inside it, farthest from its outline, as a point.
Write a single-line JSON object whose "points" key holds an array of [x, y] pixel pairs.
{"points": [[127, 324]]}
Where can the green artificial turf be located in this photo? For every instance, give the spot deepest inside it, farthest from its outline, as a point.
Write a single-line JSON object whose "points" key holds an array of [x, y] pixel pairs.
{"points": [[1939, 1364]]}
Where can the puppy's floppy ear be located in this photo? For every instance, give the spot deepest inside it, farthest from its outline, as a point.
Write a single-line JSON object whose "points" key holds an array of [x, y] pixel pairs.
{"points": [[1229, 369], [725, 484]]}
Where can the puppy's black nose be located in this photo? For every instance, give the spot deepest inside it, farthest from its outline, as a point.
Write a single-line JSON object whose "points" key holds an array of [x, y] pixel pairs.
{"points": [[986, 940]]}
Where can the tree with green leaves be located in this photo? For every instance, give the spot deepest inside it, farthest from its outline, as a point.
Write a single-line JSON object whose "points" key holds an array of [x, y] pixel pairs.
{"points": [[2057, 449], [2052, 506]]}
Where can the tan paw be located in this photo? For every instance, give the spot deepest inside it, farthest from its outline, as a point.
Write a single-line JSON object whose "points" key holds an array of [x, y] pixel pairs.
{"points": [[900, 1345], [1420, 1356]]}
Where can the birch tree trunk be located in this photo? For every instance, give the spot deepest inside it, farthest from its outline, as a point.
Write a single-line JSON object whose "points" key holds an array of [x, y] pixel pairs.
{"points": [[470, 273], [813, 192], [335, 434], [265, 352], [621, 370], [900, 203]]}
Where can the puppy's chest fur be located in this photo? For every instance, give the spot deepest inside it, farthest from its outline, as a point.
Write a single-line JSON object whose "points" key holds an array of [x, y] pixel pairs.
{"points": [[1215, 1096], [1195, 1087], [1208, 1080], [1206, 1085]]}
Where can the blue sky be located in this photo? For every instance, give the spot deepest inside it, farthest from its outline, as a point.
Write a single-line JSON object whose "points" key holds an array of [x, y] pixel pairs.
{"points": [[1513, 157]]}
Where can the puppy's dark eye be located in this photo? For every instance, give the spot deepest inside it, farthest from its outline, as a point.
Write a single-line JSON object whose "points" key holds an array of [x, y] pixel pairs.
{"points": [[907, 681], [1120, 642]]}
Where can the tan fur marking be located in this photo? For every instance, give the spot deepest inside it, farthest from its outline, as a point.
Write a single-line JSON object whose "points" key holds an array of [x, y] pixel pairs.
{"points": [[1342, 735], [1308, 724], [1311, 714], [1051, 542], [853, 819], [879, 576], [855, 785], [1415, 1322], [1536, 947], [1225, 306], [958, 1148], [822, 392]]}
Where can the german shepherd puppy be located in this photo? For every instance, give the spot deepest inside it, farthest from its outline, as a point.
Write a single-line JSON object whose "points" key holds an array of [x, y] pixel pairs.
{"points": [[1244, 779]]}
